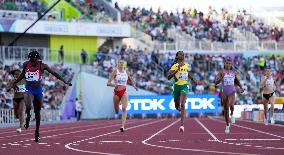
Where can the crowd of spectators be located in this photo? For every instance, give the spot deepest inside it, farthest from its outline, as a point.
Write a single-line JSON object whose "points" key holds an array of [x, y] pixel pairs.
{"points": [[33, 8], [248, 22], [210, 25], [91, 11], [54, 90], [149, 69]]}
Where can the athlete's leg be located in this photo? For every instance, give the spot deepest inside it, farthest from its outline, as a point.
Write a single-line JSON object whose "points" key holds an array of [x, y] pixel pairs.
{"points": [[176, 94], [124, 101], [21, 112], [116, 101], [226, 108], [272, 101], [37, 107], [265, 105], [177, 104], [16, 108], [183, 98], [231, 100], [28, 103]]}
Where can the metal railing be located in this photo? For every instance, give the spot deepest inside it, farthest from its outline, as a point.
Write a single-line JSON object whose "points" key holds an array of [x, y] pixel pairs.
{"points": [[19, 53], [220, 46], [28, 15], [7, 116]]}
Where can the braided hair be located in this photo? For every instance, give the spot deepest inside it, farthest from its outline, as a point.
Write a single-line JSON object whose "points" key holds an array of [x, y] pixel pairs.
{"points": [[34, 54]]}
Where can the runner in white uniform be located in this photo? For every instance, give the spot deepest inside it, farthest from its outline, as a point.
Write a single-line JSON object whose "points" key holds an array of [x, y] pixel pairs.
{"points": [[268, 88], [120, 77]]}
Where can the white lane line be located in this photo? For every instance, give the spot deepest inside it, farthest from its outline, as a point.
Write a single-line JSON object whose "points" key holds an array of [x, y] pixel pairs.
{"points": [[252, 139], [59, 126], [68, 146], [207, 130], [52, 130], [118, 124], [183, 149], [115, 141], [248, 128]]}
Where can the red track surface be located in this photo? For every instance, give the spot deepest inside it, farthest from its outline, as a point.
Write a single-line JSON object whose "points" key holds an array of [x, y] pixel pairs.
{"points": [[147, 137]]}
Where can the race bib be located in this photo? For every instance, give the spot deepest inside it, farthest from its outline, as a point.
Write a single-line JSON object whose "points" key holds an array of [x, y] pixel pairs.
{"points": [[228, 81], [22, 88], [183, 76], [32, 76], [269, 83], [121, 80]]}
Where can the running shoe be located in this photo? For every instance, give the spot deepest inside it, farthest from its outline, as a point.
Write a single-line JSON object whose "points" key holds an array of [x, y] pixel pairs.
{"points": [[181, 129], [265, 121], [227, 130], [37, 138], [27, 124], [19, 130], [272, 121], [233, 119], [121, 129]]}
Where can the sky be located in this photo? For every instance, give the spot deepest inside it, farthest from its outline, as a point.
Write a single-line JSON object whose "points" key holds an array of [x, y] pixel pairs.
{"points": [[173, 5]]}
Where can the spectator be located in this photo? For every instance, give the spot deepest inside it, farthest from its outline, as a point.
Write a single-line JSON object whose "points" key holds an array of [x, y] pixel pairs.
{"points": [[79, 109], [84, 56], [61, 54]]}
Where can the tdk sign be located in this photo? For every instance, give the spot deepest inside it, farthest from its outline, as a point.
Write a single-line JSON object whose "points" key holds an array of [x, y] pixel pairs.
{"points": [[165, 104]]}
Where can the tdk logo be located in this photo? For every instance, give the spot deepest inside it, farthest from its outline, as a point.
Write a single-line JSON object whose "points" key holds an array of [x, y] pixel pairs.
{"points": [[166, 104], [146, 104]]}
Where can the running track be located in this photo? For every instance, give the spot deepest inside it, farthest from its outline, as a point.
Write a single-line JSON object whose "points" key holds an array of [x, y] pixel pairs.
{"points": [[146, 137]]}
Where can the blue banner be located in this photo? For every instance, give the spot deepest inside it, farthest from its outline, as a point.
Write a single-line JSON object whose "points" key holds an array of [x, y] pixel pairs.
{"points": [[165, 104]]}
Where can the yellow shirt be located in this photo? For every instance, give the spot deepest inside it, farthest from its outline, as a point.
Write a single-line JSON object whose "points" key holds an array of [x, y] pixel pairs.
{"points": [[261, 62], [181, 77]]}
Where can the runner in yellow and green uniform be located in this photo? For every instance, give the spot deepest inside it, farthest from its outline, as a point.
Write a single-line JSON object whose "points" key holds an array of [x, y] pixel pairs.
{"points": [[181, 75]]}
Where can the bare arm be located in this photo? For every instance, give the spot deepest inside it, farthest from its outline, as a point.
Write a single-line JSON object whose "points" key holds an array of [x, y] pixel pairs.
{"points": [[132, 81], [46, 67], [192, 78], [172, 73], [263, 81], [22, 75], [10, 86], [276, 86], [238, 83], [219, 78], [111, 78]]}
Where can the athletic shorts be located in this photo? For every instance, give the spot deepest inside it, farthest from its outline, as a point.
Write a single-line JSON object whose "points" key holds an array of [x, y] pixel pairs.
{"points": [[180, 89], [267, 96], [36, 92], [119, 93], [18, 100]]}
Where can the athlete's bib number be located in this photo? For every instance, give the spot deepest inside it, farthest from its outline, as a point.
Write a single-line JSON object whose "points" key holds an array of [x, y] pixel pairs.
{"points": [[183, 76], [22, 88], [32, 76], [269, 83], [122, 80], [228, 81]]}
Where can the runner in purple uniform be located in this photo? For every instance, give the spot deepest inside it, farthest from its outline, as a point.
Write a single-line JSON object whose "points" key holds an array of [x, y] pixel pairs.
{"points": [[229, 79]]}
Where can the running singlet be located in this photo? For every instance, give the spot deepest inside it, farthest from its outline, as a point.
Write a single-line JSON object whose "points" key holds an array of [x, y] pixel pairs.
{"points": [[33, 74], [229, 83], [269, 83], [121, 78], [33, 80], [181, 77], [22, 88]]}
